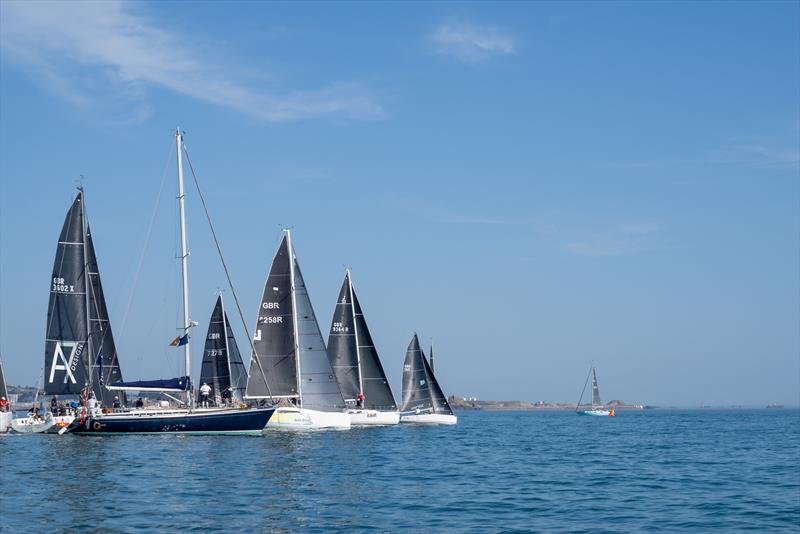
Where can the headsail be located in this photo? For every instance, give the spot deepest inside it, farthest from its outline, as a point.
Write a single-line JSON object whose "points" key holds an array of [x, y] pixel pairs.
{"points": [[103, 360], [273, 366], [319, 388], [421, 391], [222, 367], [377, 393], [65, 367]]}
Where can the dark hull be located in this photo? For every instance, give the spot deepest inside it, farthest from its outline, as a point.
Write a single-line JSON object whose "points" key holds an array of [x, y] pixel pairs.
{"points": [[250, 421]]}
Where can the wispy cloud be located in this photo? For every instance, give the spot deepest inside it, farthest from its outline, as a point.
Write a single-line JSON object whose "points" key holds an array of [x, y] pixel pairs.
{"points": [[470, 43], [758, 151], [83, 50], [625, 239]]}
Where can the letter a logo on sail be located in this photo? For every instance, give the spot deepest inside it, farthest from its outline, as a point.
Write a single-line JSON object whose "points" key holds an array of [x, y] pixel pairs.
{"points": [[59, 353]]}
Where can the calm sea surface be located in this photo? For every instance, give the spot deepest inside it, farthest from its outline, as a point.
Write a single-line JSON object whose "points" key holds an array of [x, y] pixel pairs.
{"points": [[656, 471]]}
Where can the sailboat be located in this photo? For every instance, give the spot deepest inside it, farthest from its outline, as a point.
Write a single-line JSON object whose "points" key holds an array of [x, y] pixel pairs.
{"points": [[356, 364], [289, 361], [423, 399], [186, 420], [597, 408], [222, 369], [80, 354], [6, 416]]}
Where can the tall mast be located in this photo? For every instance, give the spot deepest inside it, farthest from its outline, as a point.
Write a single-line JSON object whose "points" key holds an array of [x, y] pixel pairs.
{"points": [[355, 330], [184, 265], [86, 284], [294, 320], [227, 349]]}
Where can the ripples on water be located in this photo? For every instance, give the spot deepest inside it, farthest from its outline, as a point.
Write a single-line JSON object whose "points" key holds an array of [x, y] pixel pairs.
{"points": [[657, 471]]}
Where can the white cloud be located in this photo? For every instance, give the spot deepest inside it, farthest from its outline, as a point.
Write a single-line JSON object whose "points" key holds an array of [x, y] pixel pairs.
{"points": [[83, 50], [472, 44]]}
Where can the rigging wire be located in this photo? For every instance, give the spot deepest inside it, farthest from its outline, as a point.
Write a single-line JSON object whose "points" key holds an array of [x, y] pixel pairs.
{"points": [[227, 272], [148, 236]]}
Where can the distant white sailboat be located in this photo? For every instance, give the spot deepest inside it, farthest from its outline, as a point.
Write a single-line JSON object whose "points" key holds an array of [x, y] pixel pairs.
{"points": [[597, 408], [356, 364], [5, 416], [423, 399], [289, 361]]}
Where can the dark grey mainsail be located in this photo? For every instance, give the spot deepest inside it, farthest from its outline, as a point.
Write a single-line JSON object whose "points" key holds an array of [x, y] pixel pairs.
{"points": [[66, 353], [377, 393], [595, 390], [342, 348], [222, 367], [319, 389], [273, 366], [421, 391], [103, 357]]}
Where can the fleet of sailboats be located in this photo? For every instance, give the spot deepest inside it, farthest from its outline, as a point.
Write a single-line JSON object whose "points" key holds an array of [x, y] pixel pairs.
{"points": [[294, 380]]}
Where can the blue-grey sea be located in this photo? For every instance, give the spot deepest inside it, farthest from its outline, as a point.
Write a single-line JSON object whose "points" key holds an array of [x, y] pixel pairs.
{"points": [[642, 471]]}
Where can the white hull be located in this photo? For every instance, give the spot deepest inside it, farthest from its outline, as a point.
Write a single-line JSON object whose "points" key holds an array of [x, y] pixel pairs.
{"points": [[597, 413], [429, 419], [303, 419], [373, 417], [30, 425], [5, 421]]}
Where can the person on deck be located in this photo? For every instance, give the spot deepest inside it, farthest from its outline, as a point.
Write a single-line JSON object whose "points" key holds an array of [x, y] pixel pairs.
{"points": [[205, 391], [3, 404], [227, 396], [91, 404], [54, 404], [139, 403], [117, 404], [360, 400]]}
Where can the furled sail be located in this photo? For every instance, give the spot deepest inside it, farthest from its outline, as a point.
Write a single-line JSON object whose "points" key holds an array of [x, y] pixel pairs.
{"points": [[103, 360], [377, 393], [273, 366], [222, 367], [65, 358], [421, 391], [319, 388]]}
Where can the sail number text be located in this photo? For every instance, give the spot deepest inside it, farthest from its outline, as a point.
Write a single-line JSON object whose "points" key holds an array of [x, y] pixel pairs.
{"points": [[60, 286]]}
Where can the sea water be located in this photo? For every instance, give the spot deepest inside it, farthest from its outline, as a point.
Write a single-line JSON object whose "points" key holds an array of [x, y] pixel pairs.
{"points": [[642, 471]]}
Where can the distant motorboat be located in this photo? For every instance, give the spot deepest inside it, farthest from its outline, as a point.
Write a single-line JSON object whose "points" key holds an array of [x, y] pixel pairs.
{"points": [[596, 408]]}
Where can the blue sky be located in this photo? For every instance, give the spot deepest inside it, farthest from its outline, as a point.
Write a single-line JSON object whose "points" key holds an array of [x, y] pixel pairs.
{"points": [[532, 185]]}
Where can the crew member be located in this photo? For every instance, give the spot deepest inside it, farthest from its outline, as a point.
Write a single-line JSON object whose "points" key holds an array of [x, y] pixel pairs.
{"points": [[227, 396], [117, 404], [3, 404], [139, 403], [205, 391], [360, 400]]}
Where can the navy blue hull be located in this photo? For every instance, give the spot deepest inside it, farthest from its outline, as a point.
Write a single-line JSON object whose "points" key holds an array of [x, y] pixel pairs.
{"points": [[250, 421]]}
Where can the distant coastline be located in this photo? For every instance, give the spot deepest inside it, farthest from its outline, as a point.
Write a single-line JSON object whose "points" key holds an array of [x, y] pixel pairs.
{"points": [[471, 403]]}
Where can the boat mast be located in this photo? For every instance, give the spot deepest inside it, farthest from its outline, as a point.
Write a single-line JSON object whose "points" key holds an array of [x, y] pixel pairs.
{"points": [[86, 281], [294, 320], [184, 266], [227, 350], [355, 330]]}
